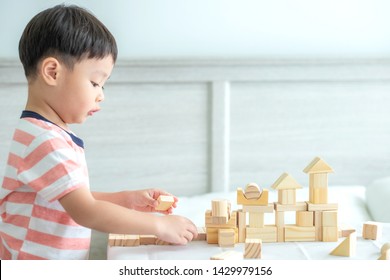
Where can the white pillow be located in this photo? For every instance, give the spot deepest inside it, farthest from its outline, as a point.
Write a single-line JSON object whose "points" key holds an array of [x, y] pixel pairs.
{"points": [[378, 199]]}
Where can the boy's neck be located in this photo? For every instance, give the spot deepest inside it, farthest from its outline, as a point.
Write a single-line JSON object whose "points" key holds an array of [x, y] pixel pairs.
{"points": [[36, 103]]}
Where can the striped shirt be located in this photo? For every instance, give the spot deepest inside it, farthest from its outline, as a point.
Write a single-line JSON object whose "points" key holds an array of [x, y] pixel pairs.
{"points": [[44, 163]]}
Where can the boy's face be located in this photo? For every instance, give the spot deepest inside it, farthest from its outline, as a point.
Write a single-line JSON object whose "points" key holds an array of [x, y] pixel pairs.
{"points": [[81, 89]]}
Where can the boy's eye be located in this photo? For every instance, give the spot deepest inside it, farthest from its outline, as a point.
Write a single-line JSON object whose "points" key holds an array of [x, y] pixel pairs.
{"points": [[96, 85]]}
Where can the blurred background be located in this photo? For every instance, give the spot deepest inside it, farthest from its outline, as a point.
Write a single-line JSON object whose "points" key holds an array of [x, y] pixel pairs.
{"points": [[210, 95]]}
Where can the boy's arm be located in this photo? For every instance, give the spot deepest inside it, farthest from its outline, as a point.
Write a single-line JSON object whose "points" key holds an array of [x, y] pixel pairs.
{"points": [[108, 217], [140, 200]]}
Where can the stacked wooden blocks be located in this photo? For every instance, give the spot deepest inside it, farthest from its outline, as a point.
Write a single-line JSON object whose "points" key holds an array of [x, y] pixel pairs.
{"points": [[221, 224]]}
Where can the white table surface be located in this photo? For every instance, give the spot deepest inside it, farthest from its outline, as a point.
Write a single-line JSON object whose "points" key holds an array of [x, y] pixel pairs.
{"points": [[201, 250]]}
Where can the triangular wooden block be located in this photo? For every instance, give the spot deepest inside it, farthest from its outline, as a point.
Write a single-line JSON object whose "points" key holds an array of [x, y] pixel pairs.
{"points": [[318, 165], [347, 247], [286, 182]]}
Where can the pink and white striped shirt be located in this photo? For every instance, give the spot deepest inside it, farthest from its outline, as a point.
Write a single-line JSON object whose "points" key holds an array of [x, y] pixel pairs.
{"points": [[45, 163]]}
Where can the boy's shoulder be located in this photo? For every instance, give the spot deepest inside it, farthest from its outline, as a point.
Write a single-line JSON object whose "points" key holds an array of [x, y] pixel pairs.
{"points": [[31, 130]]}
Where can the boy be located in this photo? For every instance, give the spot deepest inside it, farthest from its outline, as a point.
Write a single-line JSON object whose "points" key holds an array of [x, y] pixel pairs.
{"points": [[46, 206]]}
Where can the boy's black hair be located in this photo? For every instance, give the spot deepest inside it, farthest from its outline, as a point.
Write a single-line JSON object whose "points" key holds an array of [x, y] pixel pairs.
{"points": [[69, 33]]}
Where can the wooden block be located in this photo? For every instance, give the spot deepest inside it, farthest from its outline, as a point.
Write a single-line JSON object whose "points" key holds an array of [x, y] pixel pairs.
{"points": [[119, 240], [201, 234], [299, 206], [286, 196], [226, 237], [219, 208], [162, 242], [212, 235], [242, 200], [330, 234], [219, 220], [280, 234], [385, 256], [164, 202], [252, 191], [318, 224], [268, 233], [321, 207], [259, 208], [385, 252], [345, 231], [372, 230], [329, 218], [227, 255], [295, 233], [241, 223], [256, 219], [131, 240], [318, 195], [347, 248], [147, 239], [305, 218], [318, 165], [252, 249], [111, 239], [279, 218], [231, 223]]}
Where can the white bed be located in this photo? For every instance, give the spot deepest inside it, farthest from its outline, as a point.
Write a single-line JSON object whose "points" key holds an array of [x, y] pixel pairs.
{"points": [[352, 212]]}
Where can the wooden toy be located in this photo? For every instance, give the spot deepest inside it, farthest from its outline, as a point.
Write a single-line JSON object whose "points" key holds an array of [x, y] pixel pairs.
{"points": [[164, 202], [227, 255], [252, 248], [347, 247], [372, 230], [286, 186], [318, 171], [385, 252]]}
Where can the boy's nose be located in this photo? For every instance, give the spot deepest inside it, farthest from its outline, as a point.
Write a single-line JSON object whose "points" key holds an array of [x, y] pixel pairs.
{"points": [[100, 97]]}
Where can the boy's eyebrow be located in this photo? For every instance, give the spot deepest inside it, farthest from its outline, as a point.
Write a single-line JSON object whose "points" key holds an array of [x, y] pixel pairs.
{"points": [[104, 74]]}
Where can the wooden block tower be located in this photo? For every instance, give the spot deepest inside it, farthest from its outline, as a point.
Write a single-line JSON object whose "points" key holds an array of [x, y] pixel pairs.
{"points": [[221, 224], [303, 229], [325, 214], [254, 203]]}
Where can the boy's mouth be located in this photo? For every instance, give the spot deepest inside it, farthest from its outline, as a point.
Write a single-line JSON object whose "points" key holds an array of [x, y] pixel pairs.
{"points": [[90, 113]]}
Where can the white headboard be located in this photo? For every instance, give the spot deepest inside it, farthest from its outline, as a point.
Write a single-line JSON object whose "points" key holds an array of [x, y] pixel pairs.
{"points": [[193, 126]]}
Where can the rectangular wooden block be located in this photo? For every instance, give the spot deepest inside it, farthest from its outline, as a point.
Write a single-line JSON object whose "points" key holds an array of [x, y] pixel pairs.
{"points": [[295, 233], [227, 255], [286, 196], [201, 234], [252, 248], [259, 208], [226, 237], [330, 234], [231, 223], [147, 239], [318, 224], [165, 202], [329, 218], [268, 233], [212, 235], [241, 223], [256, 219], [299, 206], [321, 207], [305, 218], [372, 230]]}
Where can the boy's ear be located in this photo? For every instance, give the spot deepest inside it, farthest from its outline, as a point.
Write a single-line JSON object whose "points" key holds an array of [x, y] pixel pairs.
{"points": [[50, 70]]}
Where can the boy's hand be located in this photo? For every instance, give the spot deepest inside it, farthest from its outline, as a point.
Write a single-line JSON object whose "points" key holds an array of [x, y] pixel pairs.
{"points": [[176, 229], [146, 200]]}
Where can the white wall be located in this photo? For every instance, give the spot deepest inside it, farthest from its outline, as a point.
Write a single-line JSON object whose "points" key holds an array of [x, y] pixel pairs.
{"points": [[225, 28]]}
